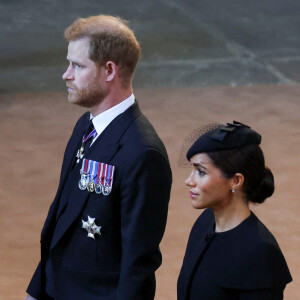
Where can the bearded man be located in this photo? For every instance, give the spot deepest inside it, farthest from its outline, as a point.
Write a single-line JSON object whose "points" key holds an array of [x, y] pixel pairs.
{"points": [[101, 237]]}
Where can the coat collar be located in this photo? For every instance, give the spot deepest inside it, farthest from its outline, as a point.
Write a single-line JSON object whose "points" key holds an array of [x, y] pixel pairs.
{"points": [[195, 249], [251, 264]]}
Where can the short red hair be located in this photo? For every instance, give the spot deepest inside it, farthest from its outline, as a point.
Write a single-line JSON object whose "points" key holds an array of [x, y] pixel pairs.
{"points": [[110, 40]]}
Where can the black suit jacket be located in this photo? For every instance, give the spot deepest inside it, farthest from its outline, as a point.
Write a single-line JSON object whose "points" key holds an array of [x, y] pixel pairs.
{"points": [[120, 263], [249, 263]]}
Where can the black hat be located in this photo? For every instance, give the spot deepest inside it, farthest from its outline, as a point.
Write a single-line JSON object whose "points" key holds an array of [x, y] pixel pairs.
{"points": [[232, 135]]}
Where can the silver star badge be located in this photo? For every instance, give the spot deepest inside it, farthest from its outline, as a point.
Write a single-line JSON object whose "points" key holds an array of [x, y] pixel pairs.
{"points": [[91, 227]]}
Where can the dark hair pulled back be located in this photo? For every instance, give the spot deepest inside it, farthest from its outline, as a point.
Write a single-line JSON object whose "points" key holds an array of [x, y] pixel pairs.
{"points": [[249, 161]]}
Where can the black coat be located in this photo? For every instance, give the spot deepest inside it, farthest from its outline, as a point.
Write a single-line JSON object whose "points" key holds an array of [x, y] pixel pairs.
{"points": [[120, 263], [243, 263]]}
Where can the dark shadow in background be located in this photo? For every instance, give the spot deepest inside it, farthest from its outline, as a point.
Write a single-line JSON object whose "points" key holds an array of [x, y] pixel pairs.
{"points": [[185, 43]]}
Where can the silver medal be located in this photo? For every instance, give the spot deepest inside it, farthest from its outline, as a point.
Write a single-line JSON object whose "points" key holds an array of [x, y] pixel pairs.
{"points": [[83, 182], [91, 227], [106, 189], [98, 188]]}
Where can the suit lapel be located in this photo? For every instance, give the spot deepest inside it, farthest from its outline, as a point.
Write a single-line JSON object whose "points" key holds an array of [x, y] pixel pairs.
{"points": [[103, 150], [70, 152]]}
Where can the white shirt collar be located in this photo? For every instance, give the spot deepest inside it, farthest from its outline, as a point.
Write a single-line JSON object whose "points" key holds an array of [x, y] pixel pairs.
{"points": [[102, 120]]}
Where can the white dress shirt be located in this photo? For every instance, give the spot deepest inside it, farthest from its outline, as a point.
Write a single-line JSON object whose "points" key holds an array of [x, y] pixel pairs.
{"points": [[102, 120]]}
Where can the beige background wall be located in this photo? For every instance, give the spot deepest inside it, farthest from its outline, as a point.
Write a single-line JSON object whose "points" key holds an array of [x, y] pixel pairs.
{"points": [[34, 132]]}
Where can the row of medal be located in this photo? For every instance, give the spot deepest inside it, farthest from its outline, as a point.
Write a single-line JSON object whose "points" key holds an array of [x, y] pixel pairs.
{"points": [[96, 177]]}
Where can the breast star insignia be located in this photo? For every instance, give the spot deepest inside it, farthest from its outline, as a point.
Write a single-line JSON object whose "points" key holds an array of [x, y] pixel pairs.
{"points": [[91, 227]]}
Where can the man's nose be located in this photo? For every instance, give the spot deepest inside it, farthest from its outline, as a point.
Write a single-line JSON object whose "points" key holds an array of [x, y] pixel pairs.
{"points": [[68, 75]]}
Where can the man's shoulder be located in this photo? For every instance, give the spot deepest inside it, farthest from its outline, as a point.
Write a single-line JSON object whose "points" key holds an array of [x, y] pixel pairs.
{"points": [[142, 136]]}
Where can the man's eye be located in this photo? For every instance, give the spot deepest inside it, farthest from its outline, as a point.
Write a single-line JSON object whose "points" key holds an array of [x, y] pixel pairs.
{"points": [[78, 66]]}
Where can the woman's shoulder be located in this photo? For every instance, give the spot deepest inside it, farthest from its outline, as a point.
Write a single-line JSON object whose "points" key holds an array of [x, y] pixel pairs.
{"points": [[256, 260], [255, 232], [258, 242]]}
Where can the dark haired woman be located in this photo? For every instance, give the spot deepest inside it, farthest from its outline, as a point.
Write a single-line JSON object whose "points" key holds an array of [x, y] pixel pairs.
{"points": [[230, 253]]}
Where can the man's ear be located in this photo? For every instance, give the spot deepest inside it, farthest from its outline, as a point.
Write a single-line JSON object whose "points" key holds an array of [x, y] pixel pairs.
{"points": [[111, 70], [237, 181]]}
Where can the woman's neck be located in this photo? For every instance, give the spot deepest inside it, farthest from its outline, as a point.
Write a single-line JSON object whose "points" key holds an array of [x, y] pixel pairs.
{"points": [[231, 216]]}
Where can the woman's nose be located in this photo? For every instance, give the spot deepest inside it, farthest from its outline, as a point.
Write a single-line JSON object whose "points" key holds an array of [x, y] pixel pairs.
{"points": [[189, 181]]}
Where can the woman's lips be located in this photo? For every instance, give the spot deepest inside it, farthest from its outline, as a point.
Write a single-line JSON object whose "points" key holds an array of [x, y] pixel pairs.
{"points": [[193, 195]]}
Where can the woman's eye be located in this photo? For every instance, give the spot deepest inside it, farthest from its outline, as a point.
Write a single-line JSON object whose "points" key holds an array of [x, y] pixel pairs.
{"points": [[201, 172]]}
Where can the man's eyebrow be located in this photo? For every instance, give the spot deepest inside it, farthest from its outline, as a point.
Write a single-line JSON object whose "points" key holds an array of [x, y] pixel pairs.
{"points": [[73, 61]]}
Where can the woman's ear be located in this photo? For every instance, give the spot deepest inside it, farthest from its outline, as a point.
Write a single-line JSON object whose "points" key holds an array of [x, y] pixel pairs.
{"points": [[237, 181]]}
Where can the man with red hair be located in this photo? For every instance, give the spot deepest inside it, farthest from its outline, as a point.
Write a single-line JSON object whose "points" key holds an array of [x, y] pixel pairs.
{"points": [[102, 233]]}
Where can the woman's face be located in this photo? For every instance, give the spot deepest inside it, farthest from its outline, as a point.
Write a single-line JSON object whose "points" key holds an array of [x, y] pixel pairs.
{"points": [[208, 187]]}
